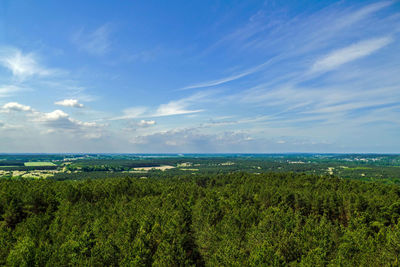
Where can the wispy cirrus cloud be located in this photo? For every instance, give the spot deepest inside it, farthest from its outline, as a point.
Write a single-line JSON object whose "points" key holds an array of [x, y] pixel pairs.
{"points": [[96, 42], [288, 78], [294, 40], [362, 13], [350, 53], [172, 108], [131, 113], [265, 30], [8, 90], [311, 88], [22, 65], [230, 78]]}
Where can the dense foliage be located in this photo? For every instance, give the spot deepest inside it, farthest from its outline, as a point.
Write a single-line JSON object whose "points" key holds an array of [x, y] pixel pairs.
{"points": [[217, 220]]}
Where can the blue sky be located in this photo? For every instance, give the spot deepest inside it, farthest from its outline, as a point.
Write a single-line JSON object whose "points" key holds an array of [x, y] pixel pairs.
{"points": [[199, 76]]}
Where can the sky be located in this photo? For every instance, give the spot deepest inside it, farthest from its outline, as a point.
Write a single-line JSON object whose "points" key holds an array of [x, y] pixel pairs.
{"points": [[199, 76]]}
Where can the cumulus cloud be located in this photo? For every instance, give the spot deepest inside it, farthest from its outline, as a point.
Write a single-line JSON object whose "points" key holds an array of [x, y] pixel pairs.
{"points": [[60, 122], [144, 123], [14, 106], [56, 121], [22, 65], [134, 125], [349, 53], [55, 115], [69, 103], [191, 140]]}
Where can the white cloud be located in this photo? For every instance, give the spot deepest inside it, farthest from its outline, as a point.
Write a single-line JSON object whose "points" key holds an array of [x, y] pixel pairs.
{"points": [[55, 115], [60, 120], [362, 13], [14, 106], [96, 42], [56, 121], [144, 123], [173, 108], [22, 65], [8, 90], [69, 103], [132, 126], [131, 113], [230, 78], [191, 140], [349, 53], [180, 106]]}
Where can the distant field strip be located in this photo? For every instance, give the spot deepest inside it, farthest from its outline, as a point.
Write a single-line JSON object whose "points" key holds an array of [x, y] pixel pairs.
{"points": [[9, 166], [162, 168], [39, 164]]}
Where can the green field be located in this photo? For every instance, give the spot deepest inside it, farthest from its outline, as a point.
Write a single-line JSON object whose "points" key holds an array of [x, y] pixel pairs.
{"points": [[39, 164], [9, 166], [358, 168]]}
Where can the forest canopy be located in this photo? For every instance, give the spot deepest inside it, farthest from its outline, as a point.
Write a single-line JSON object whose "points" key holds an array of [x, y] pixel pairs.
{"points": [[237, 219]]}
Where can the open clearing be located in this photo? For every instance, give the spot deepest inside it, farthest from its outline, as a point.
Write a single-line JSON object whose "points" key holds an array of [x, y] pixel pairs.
{"points": [[39, 164], [162, 168]]}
